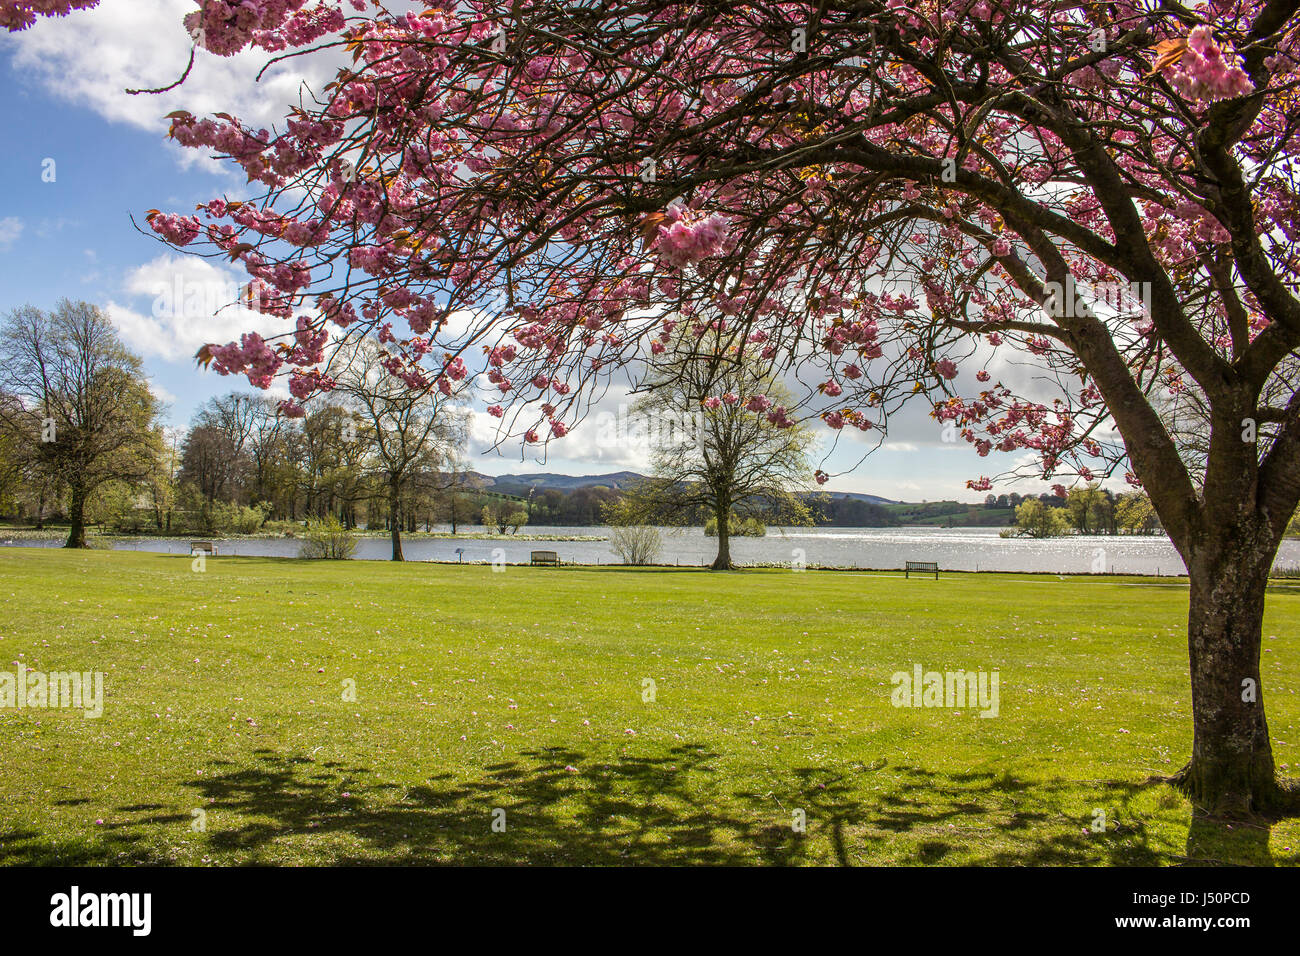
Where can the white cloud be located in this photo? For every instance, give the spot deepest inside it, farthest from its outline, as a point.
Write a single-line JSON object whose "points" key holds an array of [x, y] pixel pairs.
{"points": [[164, 395], [607, 438], [11, 227], [92, 57], [189, 307], [48, 228]]}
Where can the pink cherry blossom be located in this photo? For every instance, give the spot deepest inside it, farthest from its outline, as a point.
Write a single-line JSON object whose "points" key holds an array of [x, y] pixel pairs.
{"points": [[686, 242], [1208, 71], [178, 230]]}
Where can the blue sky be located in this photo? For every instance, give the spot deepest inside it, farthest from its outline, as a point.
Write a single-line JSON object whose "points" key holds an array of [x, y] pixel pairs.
{"points": [[73, 236]]}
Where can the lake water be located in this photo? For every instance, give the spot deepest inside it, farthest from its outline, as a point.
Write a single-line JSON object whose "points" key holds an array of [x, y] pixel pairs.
{"points": [[957, 549]]}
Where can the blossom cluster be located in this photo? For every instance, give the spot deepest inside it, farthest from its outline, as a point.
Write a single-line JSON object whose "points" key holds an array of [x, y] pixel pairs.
{"points": [[685, 242], [1207, 71], [20, 15]]}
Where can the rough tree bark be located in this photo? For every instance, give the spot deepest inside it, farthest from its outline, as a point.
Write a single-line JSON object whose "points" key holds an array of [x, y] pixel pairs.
{"points": [[77, 515], [723, 516], [1231, 771], [395, 518], [1227, 532]]}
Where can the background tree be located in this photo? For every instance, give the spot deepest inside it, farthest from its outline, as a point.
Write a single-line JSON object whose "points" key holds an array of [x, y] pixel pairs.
{"points": [[241, 457], [634, 543], [209, 463], [1089, 510], [732, 456], [503, 516], [13, 454], [1135, 515], [330, 463], [1037, 520], [84, 395], [161, 482], [414, 433], [456, 502], [270, 450]]}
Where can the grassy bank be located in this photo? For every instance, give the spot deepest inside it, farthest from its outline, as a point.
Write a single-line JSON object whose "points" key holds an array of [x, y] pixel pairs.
{"points": [[523, 691]]}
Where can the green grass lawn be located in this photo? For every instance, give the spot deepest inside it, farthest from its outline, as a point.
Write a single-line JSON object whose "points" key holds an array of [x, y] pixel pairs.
{"points": [[523, 691]]}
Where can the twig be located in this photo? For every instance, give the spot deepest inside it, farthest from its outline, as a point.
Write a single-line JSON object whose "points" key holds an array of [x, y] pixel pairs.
{"points": [[164, 89]]}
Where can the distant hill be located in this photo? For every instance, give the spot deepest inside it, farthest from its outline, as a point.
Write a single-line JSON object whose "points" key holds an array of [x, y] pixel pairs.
{"points": [[582, 497], [509, 484], [859, 496], [950, 514], [512, 484]]}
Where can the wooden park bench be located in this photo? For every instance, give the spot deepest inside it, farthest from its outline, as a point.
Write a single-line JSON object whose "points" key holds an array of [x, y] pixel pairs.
{"points": [[926, 566], [546, 557], [204, 547]]}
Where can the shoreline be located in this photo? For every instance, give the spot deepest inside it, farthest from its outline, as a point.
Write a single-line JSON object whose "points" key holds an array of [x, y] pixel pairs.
{"points": [[704, 567]]}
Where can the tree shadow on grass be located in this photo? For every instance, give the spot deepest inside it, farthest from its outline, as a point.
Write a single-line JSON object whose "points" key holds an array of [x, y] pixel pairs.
{"points": [[992, 818], [917, 816], [1213, 842], [1002, 820], [675, 807], [626, 809]]}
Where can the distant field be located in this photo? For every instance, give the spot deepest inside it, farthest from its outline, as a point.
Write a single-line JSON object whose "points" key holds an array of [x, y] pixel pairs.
{"points": [[523, 691], [943, 513]]}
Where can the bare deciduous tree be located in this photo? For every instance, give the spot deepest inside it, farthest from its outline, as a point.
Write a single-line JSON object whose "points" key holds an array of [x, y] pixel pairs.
{"points": [[414, 434], [83, 394], [721, 440]]}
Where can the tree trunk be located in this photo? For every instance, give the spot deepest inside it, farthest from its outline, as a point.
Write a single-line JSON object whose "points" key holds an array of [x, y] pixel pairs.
{"points": [[1231, 772], [77, 514], [723, 561], [394, 519]]}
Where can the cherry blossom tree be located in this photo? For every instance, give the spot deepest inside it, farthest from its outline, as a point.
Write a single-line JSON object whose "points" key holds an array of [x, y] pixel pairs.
{"points": [[878, 194]]}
